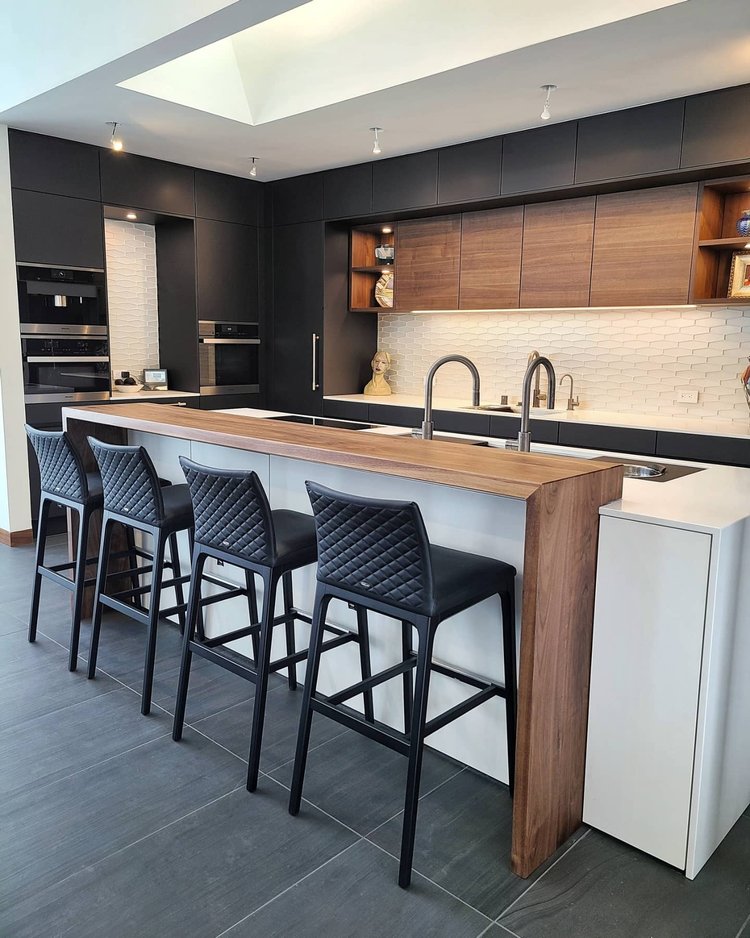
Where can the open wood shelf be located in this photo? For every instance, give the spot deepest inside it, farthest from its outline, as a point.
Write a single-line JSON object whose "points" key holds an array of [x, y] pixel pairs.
{"points": [[720, 205], [727, 244], [364, 273]]}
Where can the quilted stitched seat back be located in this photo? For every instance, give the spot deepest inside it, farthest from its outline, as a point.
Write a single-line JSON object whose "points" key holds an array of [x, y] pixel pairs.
{"points": [[60, 467], [374, 547], [231, 511], [131, 485]]}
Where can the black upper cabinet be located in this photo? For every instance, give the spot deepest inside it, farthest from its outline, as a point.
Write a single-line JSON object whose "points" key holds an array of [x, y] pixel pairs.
{"points": [[56, 230], [539, 159], [405, 182], [298, 199], [140, 182], [347, 191], [634, 142], [49, 164], [227, 198], [716, 127], [227, 271], [470, 171], [297, 357]]}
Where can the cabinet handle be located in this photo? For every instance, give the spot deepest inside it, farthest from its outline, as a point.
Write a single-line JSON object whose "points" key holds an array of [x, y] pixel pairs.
{"points": [[315, 384]]}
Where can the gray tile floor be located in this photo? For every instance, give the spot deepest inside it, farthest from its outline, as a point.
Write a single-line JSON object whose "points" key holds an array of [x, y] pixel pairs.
{"points": [[110, 828]]}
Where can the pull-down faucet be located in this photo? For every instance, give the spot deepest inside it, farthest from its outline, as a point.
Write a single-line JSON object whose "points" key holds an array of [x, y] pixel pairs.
{"points": [[427, 424], [538, 396], [524, 436]]}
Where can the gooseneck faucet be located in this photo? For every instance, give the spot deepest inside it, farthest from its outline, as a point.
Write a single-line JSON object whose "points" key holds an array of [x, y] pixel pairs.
{"points": [[524, 436], [572, 401], [427, 425], [538, 396]]}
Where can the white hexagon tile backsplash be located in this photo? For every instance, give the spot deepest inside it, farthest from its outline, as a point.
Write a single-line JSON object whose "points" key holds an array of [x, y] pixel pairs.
{"points": [[132, 297], [634, 360]]}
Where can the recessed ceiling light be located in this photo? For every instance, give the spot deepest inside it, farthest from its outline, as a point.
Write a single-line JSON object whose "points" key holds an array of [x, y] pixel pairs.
{"points": [[131, 216]]}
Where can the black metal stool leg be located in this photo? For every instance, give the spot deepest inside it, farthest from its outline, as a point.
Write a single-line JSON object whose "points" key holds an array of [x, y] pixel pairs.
{"points": [[322, 601], [509, 655], [132, 558], [196, 574], [101, 583], [416, 750], [80, 585], [291, 647], [153, 620], [252, 608], [364, 659], [408, 675], [174, 556], [261, 679], [41, 540]]}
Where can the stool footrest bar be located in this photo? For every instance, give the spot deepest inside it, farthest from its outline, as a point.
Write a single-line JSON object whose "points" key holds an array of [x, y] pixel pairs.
{"points": [[231, 636], [228, 659], [380, 678], [354, 721], [464, 707], [302, 655]]}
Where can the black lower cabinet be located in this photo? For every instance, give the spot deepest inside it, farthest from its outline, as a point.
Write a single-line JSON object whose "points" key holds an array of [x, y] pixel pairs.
{"points": [[227, 401], [394, 415], [702, 448], [451, 421], [611, 439], [346, 410], [542, 431]]}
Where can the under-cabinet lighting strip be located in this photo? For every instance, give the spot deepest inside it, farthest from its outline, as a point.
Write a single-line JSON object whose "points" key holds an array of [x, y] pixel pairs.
{"points": [[547, 309]]}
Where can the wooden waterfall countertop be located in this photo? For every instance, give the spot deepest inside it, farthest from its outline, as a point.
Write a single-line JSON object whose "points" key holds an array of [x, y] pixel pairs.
{"points": [[483, 469], [562, 498]]}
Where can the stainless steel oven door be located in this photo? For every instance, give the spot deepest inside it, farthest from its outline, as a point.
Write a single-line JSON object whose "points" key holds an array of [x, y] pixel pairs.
{"points": [[65, 369], [229, 366]]}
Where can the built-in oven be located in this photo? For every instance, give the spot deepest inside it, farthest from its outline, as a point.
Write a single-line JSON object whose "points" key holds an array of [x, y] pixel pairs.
{"points": [[58, 369], [229, 357], [61, 301]]}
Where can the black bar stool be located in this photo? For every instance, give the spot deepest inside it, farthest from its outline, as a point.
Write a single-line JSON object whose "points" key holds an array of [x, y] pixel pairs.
{"points": [[234, 523], [134, 497], [64, 482], [376, 554]]}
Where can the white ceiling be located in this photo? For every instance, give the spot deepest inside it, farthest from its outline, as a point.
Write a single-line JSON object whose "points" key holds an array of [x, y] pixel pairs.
{"points": [[300, 92]]}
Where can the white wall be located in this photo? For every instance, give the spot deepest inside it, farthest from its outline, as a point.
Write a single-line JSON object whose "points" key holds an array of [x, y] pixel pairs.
{"points": [[15, 511], [621, 359]]}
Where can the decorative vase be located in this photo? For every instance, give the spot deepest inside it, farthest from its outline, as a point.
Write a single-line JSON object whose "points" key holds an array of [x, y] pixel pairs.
{"points": [[743, 224]]}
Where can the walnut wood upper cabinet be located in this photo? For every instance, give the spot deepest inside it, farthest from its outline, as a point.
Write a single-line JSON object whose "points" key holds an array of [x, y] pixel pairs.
{"points": [[558, 239], [427, 258], [643, 243], [490, 259]]}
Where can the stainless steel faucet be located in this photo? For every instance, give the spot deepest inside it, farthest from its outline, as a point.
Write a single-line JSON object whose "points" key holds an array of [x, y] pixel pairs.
{"points": [[572, 402], [524, 436], [427, 425], [538, 395]]}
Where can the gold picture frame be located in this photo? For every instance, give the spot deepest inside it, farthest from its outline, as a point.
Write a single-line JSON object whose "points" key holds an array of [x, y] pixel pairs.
{"points": [[739, 275]]}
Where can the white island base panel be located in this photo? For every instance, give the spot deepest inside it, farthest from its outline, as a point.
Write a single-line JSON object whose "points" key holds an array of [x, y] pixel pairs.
{"points": [[472, 641], [668, 754]]}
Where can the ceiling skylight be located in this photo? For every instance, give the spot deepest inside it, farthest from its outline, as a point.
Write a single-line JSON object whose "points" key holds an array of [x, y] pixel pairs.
{"points": [[328, 51]]}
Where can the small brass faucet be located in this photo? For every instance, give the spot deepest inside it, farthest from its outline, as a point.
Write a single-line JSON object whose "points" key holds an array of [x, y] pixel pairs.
{"points": [[571, 402]]}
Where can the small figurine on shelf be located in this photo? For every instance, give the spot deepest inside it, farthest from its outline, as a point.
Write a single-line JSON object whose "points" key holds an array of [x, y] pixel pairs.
{"points": [[380, 365]]}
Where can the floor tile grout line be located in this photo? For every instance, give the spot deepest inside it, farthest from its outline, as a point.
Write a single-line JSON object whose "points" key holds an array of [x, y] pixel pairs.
{"points": [[490, 921], [421, 797], [288, 888], [506, 929], [540, 878], [138, 840], [318, 808], [742, 927]]}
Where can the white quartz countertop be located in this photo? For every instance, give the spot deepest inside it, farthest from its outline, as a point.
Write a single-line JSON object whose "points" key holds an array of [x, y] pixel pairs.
{"points": [[707, 501], [125, 398], [712, 427]]}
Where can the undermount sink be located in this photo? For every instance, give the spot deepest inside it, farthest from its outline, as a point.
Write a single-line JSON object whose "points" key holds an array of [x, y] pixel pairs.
{"points": [[508, 409]]}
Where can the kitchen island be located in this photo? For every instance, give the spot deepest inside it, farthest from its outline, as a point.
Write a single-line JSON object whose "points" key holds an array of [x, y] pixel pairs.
{"points": [[540, 513]]}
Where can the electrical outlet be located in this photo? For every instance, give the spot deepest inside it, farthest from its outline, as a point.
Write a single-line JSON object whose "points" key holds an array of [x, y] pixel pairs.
{"points": [[686, 396]]}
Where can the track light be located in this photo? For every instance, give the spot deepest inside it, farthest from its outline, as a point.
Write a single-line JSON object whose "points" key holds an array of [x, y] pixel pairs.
{"points": [[376, 143], [253, 168], [546, 113], [114, 140]]}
